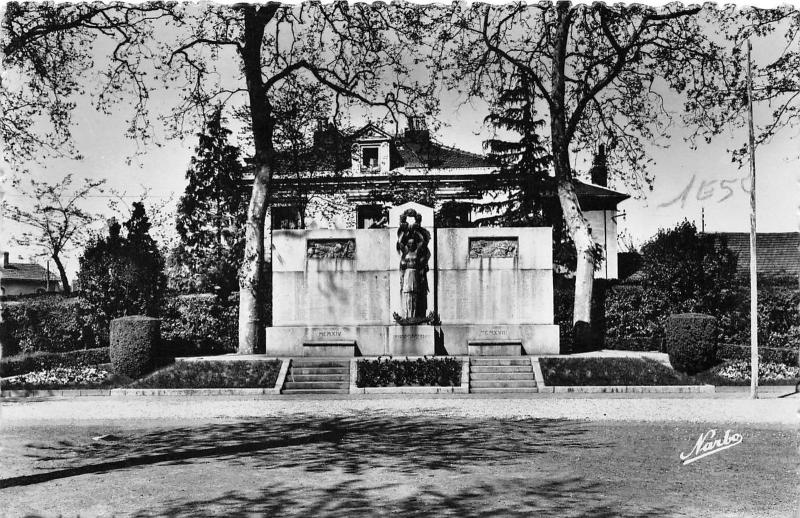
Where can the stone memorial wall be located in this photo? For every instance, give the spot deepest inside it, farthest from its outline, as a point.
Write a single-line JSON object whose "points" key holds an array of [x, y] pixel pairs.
{"points": [[338, 292]]}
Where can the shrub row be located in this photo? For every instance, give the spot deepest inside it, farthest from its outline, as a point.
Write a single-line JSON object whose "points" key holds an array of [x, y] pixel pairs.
{"points": [[14, 366], [50, 324], [199, 325], [634, 316], [785, 356], [190, 325], [423, 371]]}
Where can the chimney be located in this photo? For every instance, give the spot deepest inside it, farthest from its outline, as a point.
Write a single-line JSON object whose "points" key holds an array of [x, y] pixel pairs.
{"points": [[5, 259], [599, 171], [417, 130]]}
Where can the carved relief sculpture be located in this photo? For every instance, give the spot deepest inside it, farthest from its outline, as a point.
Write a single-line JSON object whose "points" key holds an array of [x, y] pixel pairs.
{"points": [[331, 249], [492, 247], [412, 245]]}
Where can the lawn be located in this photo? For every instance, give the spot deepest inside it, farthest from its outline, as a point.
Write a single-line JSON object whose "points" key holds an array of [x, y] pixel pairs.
{"points": [[373, 464], [213, 374]]}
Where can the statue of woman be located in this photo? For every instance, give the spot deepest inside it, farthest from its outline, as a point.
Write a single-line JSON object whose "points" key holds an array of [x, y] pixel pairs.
{"points": [[412, 244], [409, 279]]}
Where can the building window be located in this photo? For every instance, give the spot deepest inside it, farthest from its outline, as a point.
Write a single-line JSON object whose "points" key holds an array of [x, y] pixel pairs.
{"points": [[285, 218], [369, 157], [454, 215], [371, 216]]}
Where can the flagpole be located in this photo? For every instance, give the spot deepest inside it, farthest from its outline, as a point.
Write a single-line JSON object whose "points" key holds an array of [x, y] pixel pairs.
{"points": [[753, 271]]}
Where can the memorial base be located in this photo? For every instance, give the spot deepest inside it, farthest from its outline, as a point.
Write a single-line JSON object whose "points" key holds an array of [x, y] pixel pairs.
{"points": [[499, 340], [412, 340]]}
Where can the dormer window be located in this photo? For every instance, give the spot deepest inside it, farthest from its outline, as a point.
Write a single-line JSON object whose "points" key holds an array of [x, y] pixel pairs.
{"points": [[369, 157]]}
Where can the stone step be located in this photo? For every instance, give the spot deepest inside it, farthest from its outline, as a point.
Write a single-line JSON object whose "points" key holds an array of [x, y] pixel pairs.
{"points": [[290, 385], [499, 376], [500, 369], [304, 371], [307, 362], [503, 390], [488, 362], [315, 391], [503, 384], [293, 376]]}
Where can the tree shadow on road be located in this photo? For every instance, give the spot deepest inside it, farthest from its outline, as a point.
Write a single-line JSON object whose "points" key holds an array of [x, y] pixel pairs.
{"points": [[353, 445], [515, 497]]}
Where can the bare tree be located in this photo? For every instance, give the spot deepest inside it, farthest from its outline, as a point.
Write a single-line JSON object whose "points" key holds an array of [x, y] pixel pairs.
{"points": [[775, 36], [57, 220], [595, 71], [361, 53]]}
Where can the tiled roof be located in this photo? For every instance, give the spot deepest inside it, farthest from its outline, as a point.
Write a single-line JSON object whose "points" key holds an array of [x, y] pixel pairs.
{"points": [[26, 272], [776, 253], [435, 155]]}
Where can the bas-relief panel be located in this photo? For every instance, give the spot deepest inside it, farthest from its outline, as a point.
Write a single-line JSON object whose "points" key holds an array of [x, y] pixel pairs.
{"points": [[331, 249], [493, 247]]}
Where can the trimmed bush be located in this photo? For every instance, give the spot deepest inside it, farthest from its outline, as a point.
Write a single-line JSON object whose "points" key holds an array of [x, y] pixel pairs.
{"points": [[199, 325], [133, 342], [50, 324], [691, 342], [783, 355], [17, 365], [426, 371]]}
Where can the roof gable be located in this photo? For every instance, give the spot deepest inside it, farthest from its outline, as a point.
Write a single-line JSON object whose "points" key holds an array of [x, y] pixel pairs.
{"points": [[370, 132]]}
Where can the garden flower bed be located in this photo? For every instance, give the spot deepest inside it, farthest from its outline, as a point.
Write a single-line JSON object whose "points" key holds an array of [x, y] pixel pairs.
{"points": [[738, 372], [63, 378]]}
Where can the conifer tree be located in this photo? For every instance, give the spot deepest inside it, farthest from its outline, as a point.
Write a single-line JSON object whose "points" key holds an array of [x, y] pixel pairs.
{"points": [[524, 170], [211, 215]]}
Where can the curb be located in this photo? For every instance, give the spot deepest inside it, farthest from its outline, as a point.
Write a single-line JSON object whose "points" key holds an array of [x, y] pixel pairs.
{"points": [[195, 392], [631, 389], [56, 393]]}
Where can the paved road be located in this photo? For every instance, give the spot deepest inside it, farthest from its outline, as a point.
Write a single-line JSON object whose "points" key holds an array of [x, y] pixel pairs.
{"points": [[732, 407]]}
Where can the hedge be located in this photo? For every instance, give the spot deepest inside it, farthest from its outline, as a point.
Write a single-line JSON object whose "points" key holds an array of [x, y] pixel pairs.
{"points": [[198, 325], [784, 355], [422, 371], [50, 323], [23, 364], [133, 342]]}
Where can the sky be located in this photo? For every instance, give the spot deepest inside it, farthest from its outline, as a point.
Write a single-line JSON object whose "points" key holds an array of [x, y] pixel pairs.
{"points": [[686, 181]]}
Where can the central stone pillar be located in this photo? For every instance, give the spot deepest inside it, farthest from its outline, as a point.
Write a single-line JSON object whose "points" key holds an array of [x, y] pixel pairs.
{"points": [[412, 295]]}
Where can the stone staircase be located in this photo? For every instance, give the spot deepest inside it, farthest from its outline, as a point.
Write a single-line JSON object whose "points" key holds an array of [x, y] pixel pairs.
{"points": [[317, 376], [498, 375]]}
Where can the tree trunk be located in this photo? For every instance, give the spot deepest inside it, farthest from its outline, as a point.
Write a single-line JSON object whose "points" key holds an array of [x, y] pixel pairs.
{"points": [[577, 225], [262, 124], [584, 248], [250, 278], [65, 288]]}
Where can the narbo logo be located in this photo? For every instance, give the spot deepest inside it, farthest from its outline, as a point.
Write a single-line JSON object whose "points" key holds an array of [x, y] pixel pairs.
{"points": [[707, 445]]}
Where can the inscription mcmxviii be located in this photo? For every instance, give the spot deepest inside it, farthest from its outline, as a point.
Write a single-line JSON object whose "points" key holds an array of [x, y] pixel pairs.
{"points": [[493, 247], [331, 249]]}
